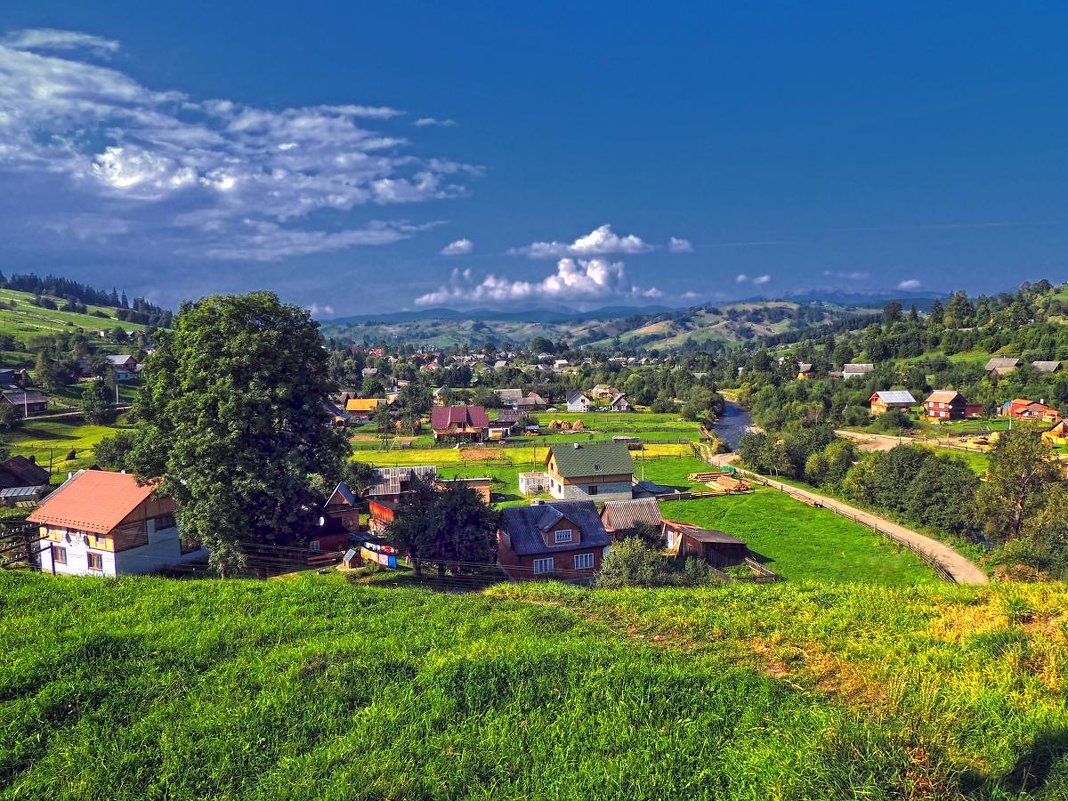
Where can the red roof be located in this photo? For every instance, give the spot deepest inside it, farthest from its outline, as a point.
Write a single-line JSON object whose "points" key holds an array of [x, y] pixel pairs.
{"points": [[93, 500], [441, 417]]}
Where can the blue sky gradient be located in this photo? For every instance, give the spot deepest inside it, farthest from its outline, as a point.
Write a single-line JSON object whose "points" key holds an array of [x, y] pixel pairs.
{"points": [[745, 149]]}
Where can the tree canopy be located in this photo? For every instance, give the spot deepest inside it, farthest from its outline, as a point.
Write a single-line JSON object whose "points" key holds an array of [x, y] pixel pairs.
{"points": [[231, 417]]}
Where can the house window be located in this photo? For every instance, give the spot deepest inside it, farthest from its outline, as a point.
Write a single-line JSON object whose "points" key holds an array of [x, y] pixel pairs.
{"points": [[563, 535], [59, 555], [584, 561], [591, 490], [313, 545], [543, 566], [96, 561]]}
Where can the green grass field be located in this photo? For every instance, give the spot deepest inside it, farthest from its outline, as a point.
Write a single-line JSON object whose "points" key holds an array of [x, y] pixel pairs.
{"points": [[53, 439], [800, 542], [318, 688], [25, 320]]}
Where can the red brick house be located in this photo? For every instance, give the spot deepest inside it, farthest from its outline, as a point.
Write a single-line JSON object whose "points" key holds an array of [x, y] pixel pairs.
{"points": [[560, 539]]}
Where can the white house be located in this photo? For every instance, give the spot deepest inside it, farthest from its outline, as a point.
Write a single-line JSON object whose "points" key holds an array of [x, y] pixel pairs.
{"points": [[106, 524], [578, 402]]}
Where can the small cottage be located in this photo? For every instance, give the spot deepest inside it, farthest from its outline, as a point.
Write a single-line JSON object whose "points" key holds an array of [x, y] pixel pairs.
{"points": [[560, 539]]}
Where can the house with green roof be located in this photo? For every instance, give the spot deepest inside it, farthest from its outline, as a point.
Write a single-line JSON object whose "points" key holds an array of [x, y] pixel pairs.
{"points": [[590, 471]]}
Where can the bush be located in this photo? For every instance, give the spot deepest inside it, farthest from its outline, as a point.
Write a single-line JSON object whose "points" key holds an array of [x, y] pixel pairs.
{"points": [[633, 563]]}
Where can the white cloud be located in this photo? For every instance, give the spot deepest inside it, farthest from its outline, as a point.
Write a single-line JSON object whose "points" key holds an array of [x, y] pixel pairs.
{"points": [[53, 39], [909, 283], [429, 122], [326, 310], [214, 178], [854, 275], [689, 295], [575, 280], [741, 278], [461, 247], [760, 280], [601, 241], [676, 245]]}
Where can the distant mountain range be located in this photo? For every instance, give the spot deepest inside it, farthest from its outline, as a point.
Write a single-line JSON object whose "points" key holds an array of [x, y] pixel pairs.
{"points": [[632, 328]]}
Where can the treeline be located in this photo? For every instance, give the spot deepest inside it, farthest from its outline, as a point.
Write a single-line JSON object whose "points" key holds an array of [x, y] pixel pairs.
{"points": [[77, 296]]}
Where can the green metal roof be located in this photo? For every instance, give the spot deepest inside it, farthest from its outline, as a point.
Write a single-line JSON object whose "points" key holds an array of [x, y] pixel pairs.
{"points": [[593, 459]]}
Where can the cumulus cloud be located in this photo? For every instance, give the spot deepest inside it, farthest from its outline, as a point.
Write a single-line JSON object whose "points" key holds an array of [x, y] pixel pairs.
{"points": [[854, 275], [676, 245], [602, 241], [461, 247], [214, 178], [325, 310], [434, 122], [575, 280], [741, 278], [909, 283], [760, 280]]}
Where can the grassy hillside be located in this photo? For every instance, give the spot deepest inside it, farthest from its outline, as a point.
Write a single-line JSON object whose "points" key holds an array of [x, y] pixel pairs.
{"points": [[317, 688], [21, 318]]}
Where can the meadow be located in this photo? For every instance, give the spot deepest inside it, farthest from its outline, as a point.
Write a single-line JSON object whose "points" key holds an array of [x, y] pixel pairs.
{"points": [[319, 688], [21, 318], [47, 440], [800, 542]]}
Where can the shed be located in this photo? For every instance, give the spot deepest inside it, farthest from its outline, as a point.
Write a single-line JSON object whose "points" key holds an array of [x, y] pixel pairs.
{"points": [[715, 548]]}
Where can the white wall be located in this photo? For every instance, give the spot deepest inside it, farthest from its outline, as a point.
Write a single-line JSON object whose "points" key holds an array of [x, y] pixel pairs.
{"points": [[162, 550]]}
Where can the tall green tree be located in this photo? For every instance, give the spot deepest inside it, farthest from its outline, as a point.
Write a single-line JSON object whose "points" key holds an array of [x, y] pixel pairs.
{"points": [[450, 529], [96, 402], [1021, 473], [231, 417]]}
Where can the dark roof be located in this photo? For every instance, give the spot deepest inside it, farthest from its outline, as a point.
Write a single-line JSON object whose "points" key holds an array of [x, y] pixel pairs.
{"points": [[441, 417], [574, 396], [605, 458], [526, 524], [342, 493], [509, 416], [18, 471], [705, 534], [19, 397], [621, 515]]}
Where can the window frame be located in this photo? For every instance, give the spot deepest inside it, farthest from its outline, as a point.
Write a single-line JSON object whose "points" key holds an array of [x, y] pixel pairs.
{"points": [[59, 555], [584, 557], [90, 557], [540, 568], [570, 536]]}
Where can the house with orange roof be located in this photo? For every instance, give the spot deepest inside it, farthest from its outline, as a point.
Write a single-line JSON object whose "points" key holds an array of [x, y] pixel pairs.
{"points": [[100, 523]]}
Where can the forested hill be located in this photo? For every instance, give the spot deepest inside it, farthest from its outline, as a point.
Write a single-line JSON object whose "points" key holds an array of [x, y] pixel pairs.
{"points": [[56, 293], [700, 328]]}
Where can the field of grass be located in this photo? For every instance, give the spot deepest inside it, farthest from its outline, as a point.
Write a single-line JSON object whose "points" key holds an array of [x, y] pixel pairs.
{"points": [[44, 439], [650, 426], [800, 542], [318, 688], [25, 320], [978, 462]]}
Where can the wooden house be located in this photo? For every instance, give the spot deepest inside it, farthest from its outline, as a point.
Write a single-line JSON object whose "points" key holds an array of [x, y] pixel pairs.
{"points": [[509, 398], [585, 469], [944, 405], [381, 514], [859, 370], [883, 401], [363, 409], [107, 524], [999, 367], [343, 507], [28, 401], [459, 422], [620, 404], [805, 371], [713, 547], [392, 483], [1023, 409], [1047, 366], [123, 367], [558, 539], [621, 518], [20, 471]]}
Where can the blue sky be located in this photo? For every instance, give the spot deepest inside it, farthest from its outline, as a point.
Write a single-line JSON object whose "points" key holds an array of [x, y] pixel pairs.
{"points": [[576, 154]]}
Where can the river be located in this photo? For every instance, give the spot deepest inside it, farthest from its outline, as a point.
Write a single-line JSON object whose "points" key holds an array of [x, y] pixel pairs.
{"points": [[731, 427]]}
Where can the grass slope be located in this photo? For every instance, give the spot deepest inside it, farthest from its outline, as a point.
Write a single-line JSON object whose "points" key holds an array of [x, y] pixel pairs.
{"points": [[147, 688], [25, 319], [801, 542]]}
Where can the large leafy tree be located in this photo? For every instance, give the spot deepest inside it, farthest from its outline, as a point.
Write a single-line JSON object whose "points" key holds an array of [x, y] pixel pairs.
{"points": [[231, 417], [96, 401], [450, 528], [1021, 472]]}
